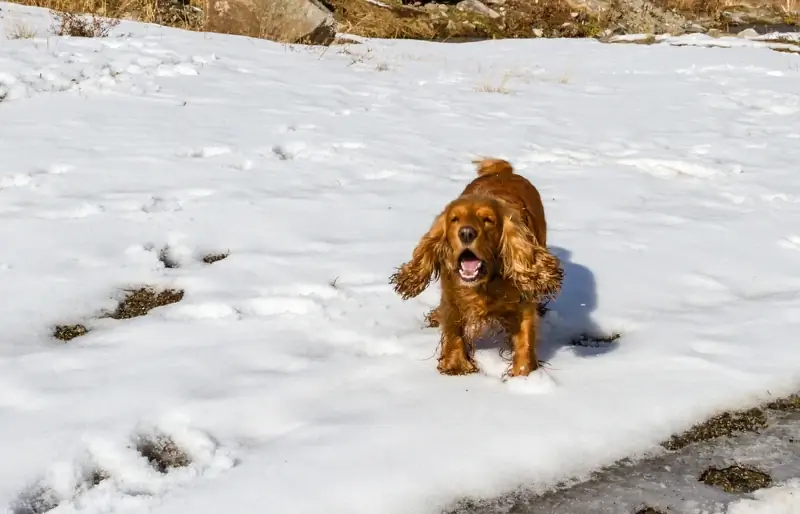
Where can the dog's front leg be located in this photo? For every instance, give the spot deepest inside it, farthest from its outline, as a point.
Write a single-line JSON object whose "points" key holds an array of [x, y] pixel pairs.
{"points": [[524, 340], [454, 359]]}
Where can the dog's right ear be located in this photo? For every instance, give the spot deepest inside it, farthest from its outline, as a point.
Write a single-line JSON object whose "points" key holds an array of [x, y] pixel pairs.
{"points": [[425, 265]]}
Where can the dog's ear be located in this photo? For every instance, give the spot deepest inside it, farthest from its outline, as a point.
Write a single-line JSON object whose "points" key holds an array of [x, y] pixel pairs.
{"points": [[530, 266], [426, 261]]}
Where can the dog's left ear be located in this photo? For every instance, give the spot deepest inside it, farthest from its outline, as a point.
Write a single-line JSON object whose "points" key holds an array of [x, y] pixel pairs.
{"points": [[530, 266]]}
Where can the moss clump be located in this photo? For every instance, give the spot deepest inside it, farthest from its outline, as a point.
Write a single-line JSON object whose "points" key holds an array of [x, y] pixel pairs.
{"points": [[790, 403], [736, 479], [140, 301], [722, 425], [69, 332], [214, 257]]}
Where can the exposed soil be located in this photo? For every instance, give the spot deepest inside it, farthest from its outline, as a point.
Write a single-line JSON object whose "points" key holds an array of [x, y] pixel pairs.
{"points": [[140, 301]]}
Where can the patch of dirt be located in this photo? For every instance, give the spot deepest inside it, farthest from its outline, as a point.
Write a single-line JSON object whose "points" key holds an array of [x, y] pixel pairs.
{"points": [[97, 476], [68, 332], [162, 453], [214, 257], [736, 479], [649, 510], [140, 301], [722, 425]]}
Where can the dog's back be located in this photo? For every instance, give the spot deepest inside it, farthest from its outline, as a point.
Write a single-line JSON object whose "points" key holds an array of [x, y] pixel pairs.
{"points": [[496, 178]]}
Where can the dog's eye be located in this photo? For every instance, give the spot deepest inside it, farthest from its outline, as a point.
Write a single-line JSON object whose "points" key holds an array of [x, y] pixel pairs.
{"points": [[488, 221], [454, 219]]}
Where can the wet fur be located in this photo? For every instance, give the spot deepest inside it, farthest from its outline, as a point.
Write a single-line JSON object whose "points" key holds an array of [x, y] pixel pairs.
{"points": [[519, 271]]}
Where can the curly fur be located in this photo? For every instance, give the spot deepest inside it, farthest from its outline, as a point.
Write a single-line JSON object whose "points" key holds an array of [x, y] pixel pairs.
{"points": [[505, 212]]}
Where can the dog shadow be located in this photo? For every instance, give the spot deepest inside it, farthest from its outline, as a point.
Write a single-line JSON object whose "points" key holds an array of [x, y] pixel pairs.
{"points": [[566, 321]]}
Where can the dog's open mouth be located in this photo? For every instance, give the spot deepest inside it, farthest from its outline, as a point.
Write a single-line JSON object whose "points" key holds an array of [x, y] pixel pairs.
{"points": [[470, 266]]}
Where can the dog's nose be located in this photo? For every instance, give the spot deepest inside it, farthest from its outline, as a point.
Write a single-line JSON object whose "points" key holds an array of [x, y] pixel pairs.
{"points": [[467, 234]]}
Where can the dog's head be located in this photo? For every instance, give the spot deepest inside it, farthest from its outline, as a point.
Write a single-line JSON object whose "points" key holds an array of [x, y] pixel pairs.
{"points": [[475, 240]]}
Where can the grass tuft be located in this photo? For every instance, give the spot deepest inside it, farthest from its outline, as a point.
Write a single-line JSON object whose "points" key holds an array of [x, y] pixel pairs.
{"points": [[78, 25], [19, 30]]}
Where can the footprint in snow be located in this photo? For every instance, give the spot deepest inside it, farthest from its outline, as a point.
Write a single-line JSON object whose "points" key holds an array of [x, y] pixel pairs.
{"points": [[790, 242], [204, 152]]}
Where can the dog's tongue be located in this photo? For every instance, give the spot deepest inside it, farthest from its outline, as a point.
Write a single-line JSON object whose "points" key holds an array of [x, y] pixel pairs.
{"points": [[470, 265]]}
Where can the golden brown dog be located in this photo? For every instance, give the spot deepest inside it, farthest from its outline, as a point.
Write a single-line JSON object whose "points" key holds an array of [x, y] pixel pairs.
{"points": [[488, 248]]}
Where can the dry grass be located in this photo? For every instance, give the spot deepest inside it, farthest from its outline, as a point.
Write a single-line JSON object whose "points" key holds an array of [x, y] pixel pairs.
{"points": [[501, 87], [266, 19], [79, 25], [713, 8], [162, 12], [19, 30], [404, 22]]}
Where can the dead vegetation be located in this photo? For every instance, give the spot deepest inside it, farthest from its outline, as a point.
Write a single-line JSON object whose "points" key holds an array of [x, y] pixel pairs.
{"points": [[79, 25], [69, 332], [211, 258], [722, 425], [736, 479], [522, 19], [162, 453], [180, 14], [19, 30], [139, 302]]}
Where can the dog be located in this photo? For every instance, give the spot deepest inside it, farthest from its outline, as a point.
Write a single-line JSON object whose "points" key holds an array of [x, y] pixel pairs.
{"points": [[488, 249]]}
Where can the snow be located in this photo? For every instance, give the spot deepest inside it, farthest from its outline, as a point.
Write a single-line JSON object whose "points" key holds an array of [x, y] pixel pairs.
{"points": [[781, 499], [290, 372]]}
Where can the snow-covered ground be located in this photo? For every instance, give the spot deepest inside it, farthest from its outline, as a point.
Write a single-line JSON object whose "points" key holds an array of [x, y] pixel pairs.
{"points": [[782, 499], [290, 372]]}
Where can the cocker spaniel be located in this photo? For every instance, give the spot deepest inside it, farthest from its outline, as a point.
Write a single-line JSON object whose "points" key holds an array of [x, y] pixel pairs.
{"points": [[488, 248]]}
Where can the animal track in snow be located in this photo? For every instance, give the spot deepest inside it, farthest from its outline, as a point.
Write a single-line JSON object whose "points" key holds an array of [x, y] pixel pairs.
{"points": [[121, 477], [790, 242], [204, 152], [671, 168], [28, 178]]}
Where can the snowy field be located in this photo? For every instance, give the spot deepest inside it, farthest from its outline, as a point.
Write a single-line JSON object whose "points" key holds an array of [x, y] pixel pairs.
{"points": [[290, 372]]}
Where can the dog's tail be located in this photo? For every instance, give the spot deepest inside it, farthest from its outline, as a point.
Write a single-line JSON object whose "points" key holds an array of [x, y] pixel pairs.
{"points": [[492, 166]]}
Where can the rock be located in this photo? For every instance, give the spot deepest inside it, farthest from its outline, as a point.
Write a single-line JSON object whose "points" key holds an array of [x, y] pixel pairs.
{"points": [[747, 33], [495, 3], [694, 28], [477, 7], [714, 32], [290, 21], [538, 33]]}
